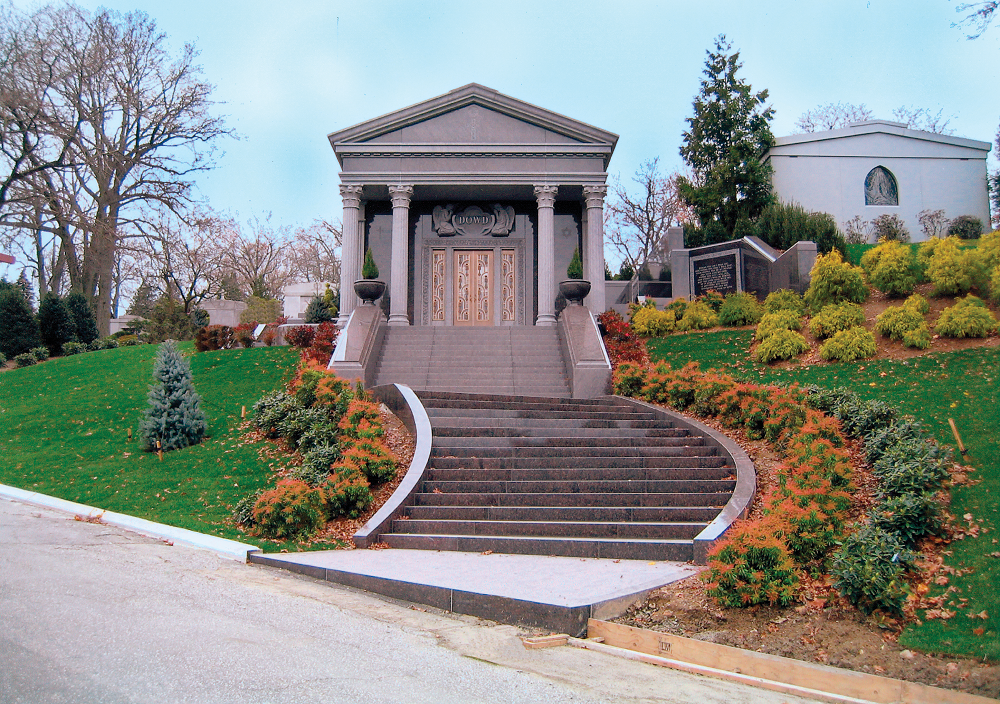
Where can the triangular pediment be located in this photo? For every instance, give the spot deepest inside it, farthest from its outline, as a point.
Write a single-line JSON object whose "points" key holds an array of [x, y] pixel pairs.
{"points": [[473, 114]]}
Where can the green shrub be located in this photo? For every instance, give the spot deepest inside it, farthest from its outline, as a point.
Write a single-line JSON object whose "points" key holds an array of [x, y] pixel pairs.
{"points": [[950, 268], [909, 516], [55, 322], [781, 225], [967, 318], [649, 322], [698, 316], [629, 378], [774, 322], [346, 493], [173, 419], [575, 268], [369, 269], [905, 432], [293, 510], [995, 284], [896, 321], [869, 570], [305, 427], [713, 299], [751, 565], [891, 268], [243, 510], [784, 299], [835, 318], [3, 359], [849, 346], [260, 310], [780, 344], [84, 322], [40, 353], [911, 467], [71, 348], [740, 309], [890, 227], [989, 249], [965, 227], [25, 360], [372, 458], [918, 338], [128, 341], [317, 311], [103, 343], [678, 306], [832, 280], [18, 325]]}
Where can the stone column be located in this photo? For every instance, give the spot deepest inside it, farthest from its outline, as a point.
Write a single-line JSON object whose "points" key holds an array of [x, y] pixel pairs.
{"points": [[399, 272], [350, 253], [546, 196], [593, 260]]}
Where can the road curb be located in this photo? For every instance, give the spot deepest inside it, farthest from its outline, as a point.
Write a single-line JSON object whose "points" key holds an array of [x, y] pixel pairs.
{"points": [[230, 549]]}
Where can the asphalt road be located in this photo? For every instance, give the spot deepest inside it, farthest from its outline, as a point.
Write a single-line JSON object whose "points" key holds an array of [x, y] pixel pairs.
{"points": [[90, 613]]}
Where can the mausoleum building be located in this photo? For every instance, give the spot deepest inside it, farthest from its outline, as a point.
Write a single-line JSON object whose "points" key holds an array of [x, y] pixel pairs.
{"points": [[472, 204], [878, 167]]}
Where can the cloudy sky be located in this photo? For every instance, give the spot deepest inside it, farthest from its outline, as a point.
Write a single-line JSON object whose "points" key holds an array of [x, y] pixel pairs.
{"points": [[287, 74]]}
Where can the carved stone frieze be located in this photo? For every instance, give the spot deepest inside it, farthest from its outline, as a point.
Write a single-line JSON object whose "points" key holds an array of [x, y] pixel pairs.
{"points": [[473, 221]]}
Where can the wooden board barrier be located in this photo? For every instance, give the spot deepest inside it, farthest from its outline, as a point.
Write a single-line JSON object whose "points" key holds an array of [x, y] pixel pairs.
{"points": [[806, 675]]}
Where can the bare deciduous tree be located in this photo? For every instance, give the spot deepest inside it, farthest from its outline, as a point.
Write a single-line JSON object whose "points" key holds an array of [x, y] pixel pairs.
{"points": [[315, 253], [923, 119], [832, 116], [637, 223], [979, 16], [934, 223]]}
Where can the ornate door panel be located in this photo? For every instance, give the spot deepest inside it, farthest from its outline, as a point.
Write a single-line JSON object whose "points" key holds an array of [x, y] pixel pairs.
{"points": [[474, 287]]}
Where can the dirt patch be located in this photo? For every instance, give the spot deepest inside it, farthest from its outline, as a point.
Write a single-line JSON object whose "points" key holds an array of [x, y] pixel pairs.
{"points": [[823, 629]]}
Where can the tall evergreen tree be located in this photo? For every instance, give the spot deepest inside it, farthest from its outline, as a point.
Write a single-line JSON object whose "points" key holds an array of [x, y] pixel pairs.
{"points": [[174, 416], [84, 322], [728, 135], [55, 323], [18, 326]]}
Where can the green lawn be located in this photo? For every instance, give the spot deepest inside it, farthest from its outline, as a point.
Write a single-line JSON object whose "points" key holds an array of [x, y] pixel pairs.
{"points": [[66, 427], [961, 385]]}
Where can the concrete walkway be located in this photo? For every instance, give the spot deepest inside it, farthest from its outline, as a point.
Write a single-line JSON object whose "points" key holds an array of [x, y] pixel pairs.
{"points": [[90, 613], [552, 593]]}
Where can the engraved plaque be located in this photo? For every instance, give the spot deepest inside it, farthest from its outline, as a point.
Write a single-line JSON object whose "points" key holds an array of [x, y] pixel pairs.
{"points": [[715, 274]]}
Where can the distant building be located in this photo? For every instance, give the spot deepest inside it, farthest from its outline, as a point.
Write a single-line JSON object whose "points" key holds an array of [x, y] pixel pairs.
{"points": [[875, 167]]}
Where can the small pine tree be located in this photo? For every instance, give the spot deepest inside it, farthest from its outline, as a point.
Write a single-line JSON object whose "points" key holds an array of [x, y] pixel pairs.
{"points": [[317, 311], [55, 323], [84, 321], [369, 270], [18, 326], [575, 268], [174, 416]]}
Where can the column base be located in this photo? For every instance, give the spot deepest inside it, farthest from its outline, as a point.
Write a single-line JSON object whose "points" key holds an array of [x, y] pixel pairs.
{"points": [[399, 319], [545, 320]]}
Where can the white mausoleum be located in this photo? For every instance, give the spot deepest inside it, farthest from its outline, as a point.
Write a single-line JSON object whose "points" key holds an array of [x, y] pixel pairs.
{"points": [[876, 167]]}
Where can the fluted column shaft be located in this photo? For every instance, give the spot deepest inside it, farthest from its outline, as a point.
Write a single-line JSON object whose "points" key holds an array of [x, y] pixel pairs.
{"points": [[350, 252], [546, 196], [594, 257], [400, 254]]}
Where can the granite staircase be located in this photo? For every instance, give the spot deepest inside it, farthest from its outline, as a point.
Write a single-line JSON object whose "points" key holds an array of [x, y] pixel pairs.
{"points": [[493, 360], [552, 476]]}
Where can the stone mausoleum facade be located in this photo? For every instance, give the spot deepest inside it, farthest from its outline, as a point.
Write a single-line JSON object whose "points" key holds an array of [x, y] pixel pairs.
{"points": [[879, 167], [472, 204]]}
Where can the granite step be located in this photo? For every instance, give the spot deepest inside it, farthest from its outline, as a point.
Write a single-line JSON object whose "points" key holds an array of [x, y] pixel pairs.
{"points": [[612, 549], [574, 500], [580, 473], [572, 529], [640, 514]]}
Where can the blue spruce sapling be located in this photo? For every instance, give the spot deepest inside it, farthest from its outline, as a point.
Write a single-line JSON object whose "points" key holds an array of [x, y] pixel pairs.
{"points": [[174, 416]]}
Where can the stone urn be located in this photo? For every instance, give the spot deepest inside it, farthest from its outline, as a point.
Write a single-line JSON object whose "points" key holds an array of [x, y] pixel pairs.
{"points": [[574, 290], [369, 290]]}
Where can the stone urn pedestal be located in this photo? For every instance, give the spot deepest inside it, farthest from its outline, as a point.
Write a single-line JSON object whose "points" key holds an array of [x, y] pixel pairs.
{"points": [[369, 290], [574, 290]]}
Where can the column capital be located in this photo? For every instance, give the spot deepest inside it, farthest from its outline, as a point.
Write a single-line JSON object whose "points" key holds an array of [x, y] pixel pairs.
{"points": [[351, 195], [401, 195], [594, 196], [546, 195]]}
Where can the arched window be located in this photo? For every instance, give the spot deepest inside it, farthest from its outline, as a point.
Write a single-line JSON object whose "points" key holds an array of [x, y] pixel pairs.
{"points": [[880, 187]]}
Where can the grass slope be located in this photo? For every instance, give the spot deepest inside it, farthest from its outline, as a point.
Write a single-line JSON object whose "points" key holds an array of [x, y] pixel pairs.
{"points": [[65, 434], [962, 385]]}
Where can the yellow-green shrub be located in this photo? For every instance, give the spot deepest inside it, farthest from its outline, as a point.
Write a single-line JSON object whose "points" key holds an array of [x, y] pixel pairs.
{"points": [[995, 284], [918, 303], [780, 344], [784, 299], [849, 346], [989, 250], [890, 267], [834, 318], [778, 320], [650, 322], [918, 338], [904, 323], [698, 316], [969, 317], [950, 268], [832, 280], [740, 309]]}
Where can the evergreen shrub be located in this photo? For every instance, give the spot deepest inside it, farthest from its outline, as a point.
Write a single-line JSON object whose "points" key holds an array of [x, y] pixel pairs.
{"points": [[891, 268], [740, 309], [3, 359], [870, 568], [71, 348], [128, 341], [18, 325], [909, 516], [40, 353], [904, 323], [849, 346], [950, 267], [834, 318], [713, 299], [292, 510], [965, 227], [780, 344], [781, 225], [174, 417], [784, 299], [26, 359], [752, 566], [317, 311], [918, 303], [103, 343], [346, 493], [649, 322], [55, 324], [832, 280], [995, 284], [969, 317], [369, 269], [84, 321]]}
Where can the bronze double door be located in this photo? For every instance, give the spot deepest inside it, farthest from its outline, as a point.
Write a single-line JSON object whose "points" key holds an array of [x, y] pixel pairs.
{"points": [[484, 281]]}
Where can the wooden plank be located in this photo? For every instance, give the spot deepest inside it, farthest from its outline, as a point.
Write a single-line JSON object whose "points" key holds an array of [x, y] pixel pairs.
{"points": [[545, 641], [806, 675]]}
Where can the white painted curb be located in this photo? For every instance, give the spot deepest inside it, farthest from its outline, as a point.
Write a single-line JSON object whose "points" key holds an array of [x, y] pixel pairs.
{"points": [[226, 548]]}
